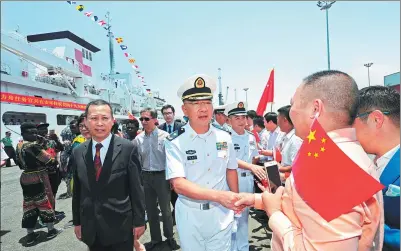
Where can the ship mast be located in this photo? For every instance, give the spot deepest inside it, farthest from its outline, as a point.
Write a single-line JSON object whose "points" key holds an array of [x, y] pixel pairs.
{"points": [[220, 89], [111, 47]]}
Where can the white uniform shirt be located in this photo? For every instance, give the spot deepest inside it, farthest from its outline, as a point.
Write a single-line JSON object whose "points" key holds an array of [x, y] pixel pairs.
{"points": [[244, 146], [264, 138], [382, 162], [201, 158], [289, 147]]}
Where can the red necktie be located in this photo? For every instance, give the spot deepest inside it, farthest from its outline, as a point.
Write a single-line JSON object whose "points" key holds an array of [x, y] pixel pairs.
{"points": [[98, 161]]}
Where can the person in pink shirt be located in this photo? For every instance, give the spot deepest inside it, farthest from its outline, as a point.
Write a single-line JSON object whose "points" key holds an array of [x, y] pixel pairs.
{"points": [[331, 97]]}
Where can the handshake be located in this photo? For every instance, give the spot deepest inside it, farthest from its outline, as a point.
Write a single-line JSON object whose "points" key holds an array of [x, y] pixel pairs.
{"points": [[239, 201]]}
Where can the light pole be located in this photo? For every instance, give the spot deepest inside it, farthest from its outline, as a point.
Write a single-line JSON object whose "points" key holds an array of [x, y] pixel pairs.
{"points": [[235, 94], [246, 94], [325, 5], [368, 65]]}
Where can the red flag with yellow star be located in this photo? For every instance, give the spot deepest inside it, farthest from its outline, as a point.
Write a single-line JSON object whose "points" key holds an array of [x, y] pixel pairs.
{"points": [[327, 179]]}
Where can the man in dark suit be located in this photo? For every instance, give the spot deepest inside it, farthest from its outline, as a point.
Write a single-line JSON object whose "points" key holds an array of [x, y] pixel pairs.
{"points": [[170, 126], [377, 127], [108, 198]]}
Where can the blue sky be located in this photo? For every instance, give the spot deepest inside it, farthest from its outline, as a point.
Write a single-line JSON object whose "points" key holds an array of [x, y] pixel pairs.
{"points": [[174, 40]]}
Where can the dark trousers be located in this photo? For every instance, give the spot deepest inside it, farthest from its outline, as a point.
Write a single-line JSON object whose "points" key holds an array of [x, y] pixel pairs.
{"points": [[55, 180], [157, 190], [174, 197], [122, 246], [10, 151]]}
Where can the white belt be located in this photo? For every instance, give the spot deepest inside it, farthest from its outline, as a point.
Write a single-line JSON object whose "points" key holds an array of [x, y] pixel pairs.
{"points": [[200, 206]]}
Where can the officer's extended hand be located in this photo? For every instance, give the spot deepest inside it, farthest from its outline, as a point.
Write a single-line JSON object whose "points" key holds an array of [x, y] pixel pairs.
{"points": [[272, 202], [228, 199], [259, 171], [247, 200]]}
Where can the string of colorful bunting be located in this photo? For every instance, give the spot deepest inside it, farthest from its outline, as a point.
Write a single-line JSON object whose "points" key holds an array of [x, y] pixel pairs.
{"points": [[119, 40]]}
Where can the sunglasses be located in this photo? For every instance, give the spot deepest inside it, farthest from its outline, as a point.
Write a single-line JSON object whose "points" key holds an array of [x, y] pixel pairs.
{"points": [[142, 119]]}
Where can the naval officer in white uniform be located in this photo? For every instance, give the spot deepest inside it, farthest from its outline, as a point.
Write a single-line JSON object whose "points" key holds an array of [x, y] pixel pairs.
{"points": [[202, 167], [246, 151], [220, 117]]}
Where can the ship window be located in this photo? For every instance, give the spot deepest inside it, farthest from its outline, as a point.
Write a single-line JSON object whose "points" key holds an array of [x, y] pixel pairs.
{"points": [[65, 119], [83, 52], [86, 53], [90, 56], [17, 118]]}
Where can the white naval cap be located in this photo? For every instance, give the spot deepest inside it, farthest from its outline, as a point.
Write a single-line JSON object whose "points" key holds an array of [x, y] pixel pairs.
{"points": [[197, 87], [236, 108], [220, 109]]}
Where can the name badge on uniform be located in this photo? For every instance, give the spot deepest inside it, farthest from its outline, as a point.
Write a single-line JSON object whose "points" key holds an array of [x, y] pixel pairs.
{"points": [[221, 146], [192, 157], [237, 147]]}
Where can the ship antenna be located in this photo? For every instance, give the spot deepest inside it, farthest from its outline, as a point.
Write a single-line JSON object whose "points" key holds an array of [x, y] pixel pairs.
{"points": [[111, 48]]}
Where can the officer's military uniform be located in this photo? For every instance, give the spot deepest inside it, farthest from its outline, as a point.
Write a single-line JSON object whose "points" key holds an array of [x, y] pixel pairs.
{"points": [[245, 149], [221, 109], [202, 159]]}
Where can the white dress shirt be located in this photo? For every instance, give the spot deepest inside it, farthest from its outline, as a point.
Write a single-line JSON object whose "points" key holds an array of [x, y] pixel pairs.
{"points": [[382, 162], [103, 151], [289, 149]]}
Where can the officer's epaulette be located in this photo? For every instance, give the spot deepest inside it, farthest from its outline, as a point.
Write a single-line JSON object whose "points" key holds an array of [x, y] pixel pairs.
{"points": [[221, 128], [175, 134]]}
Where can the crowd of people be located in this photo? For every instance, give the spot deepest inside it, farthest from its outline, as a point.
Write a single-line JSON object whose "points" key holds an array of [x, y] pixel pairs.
{"points": [[204, 175]]}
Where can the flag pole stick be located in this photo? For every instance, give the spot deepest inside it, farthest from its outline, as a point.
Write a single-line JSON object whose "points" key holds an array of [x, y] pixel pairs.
{"points": [[271, 107]]}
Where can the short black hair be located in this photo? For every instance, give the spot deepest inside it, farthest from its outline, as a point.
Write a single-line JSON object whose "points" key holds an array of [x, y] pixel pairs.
{"points": [[135, 122], [26, 126], [258, 120], [98, 102], [382, 98], [271, 116], [153, 112], [285, 111], [337, 90], [166, 107], [251, 114]]}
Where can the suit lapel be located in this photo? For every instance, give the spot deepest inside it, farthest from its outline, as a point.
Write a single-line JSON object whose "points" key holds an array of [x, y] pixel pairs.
{"points": [[392, 171], [90, 167]]}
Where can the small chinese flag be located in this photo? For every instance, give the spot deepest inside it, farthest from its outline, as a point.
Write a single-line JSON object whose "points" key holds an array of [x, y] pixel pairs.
{"points": [[327, 179]]}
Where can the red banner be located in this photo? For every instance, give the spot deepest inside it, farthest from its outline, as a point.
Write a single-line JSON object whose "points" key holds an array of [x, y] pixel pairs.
{"points": [[30, 100]]}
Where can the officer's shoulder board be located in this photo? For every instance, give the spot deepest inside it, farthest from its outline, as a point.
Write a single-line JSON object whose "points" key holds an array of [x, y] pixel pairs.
{"points": [[175, 134], [221, 128]]}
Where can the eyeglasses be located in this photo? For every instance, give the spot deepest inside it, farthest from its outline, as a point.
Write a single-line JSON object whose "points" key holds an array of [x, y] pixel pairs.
{"points": [[367, 113], [144, 118]]}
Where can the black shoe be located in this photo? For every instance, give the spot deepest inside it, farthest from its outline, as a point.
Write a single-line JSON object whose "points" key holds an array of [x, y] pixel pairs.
{"points": [[59, 213], [32, 237], [53, 233], [173, 244], [151, 245]]}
